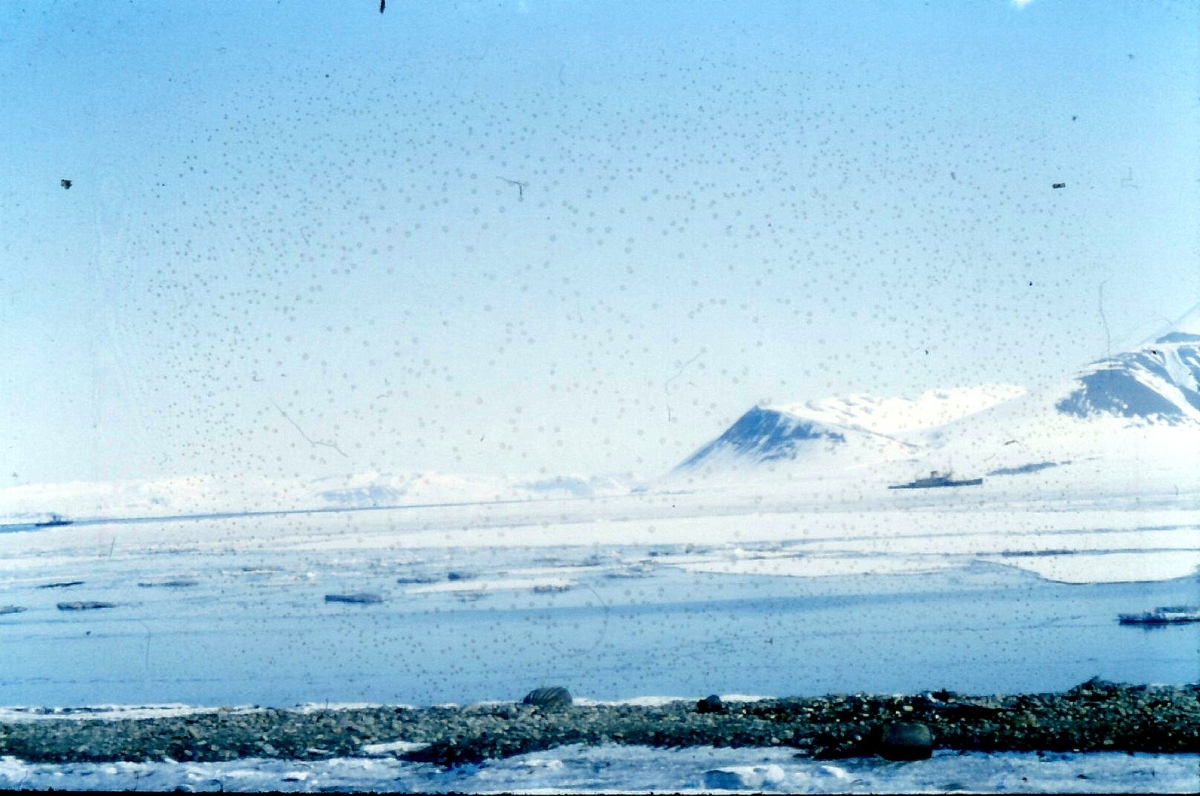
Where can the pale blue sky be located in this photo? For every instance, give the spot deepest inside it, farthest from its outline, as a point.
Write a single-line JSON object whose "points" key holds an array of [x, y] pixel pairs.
{"points": [[305, 206]]}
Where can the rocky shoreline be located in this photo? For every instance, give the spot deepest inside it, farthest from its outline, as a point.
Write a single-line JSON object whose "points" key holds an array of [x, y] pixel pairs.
{"points": [[1094, 716]]}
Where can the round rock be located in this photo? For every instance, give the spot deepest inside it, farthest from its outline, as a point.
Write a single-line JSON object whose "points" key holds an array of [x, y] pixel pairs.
{"points": [[710, 704], [906, 740], [550, 697]]}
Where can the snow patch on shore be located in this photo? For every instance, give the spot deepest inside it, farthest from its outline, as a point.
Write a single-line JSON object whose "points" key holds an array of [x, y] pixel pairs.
{"points": [[638, 769]]}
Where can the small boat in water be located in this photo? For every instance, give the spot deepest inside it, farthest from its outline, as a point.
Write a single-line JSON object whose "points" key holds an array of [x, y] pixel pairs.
{"points": [[55, 521], [937, 479], [1165, 615]]}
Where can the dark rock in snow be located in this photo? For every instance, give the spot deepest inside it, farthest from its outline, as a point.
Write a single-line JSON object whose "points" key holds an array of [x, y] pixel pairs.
{"points": [[905, 740], [459, 576], [61, 585], [361, 598], [84, 605], [411, 579], [710, 704], [550, 697], [1032, 467], [11, 609]]}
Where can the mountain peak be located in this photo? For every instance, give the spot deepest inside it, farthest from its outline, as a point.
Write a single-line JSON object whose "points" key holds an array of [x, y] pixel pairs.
{"points": [[1159, 382], [765, 434]]}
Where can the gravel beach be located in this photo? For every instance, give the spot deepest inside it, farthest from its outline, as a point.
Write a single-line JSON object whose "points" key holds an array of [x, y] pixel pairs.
{"points": [[1094, 716]]}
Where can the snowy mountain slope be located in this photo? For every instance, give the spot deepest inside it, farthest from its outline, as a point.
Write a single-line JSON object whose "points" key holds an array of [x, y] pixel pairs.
{"points": [[1159, 382], [763, 435], [767, 436], [1130, 422], [1133, 413], [836, 434], [900, 415], [1154, 386]]}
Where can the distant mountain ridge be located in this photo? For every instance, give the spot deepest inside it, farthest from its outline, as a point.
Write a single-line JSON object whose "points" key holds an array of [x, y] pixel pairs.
{"points": [[215, 494], [1155, 385], [852, 431], [1132, 412]]}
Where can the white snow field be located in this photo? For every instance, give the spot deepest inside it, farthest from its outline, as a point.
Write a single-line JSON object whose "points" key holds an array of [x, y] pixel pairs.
{"points": [[635, 769]]}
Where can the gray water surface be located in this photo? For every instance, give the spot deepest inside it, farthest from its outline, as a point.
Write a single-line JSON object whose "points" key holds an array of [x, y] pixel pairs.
{"points": [[237, 630]]}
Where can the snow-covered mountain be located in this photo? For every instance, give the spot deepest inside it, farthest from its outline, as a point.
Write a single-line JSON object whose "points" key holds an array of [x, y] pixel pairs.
{"points": [[1130, 413], [1125, 420], [1129, 419], [839, 433], [1159, 382], [767, 437], [900, 415]]}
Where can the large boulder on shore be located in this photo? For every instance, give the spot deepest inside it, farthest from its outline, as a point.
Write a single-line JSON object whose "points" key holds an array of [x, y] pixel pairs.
{"points": [[549, 697], [905, 740]]}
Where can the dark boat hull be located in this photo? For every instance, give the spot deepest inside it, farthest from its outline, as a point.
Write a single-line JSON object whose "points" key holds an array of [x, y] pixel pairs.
{"points": [[1162, 616]]}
